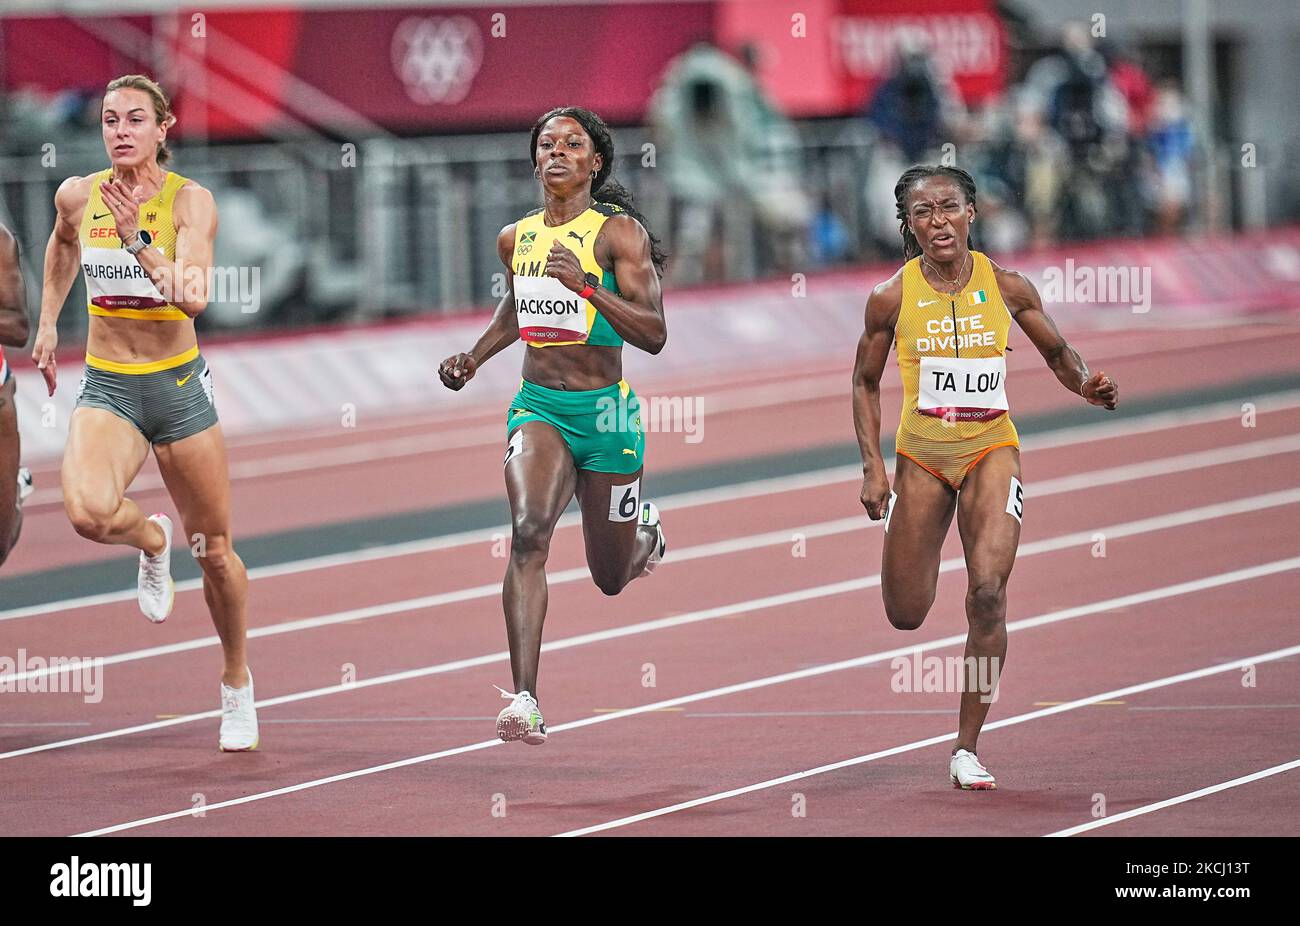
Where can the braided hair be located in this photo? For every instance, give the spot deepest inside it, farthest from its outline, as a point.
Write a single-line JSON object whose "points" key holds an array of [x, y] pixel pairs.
{"points": [[964, 181], [604, 189]]}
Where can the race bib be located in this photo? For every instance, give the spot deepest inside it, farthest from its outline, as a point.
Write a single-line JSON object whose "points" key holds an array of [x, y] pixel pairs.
{"points": [[116, 280], [549, 311], [958, 389], [625, 501]]}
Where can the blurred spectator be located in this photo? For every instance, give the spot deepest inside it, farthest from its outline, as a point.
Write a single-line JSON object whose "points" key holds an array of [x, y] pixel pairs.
{"points": [[1028, 160], [1132, 83], [1074, 88], [1170, 143], [1082, 105], [830, 236], [1130, 80], [723, 143], [913, 111], [906, 108]]}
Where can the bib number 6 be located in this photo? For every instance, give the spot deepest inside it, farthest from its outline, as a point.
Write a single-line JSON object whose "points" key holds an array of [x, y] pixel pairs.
{"points": [[625, 501]]}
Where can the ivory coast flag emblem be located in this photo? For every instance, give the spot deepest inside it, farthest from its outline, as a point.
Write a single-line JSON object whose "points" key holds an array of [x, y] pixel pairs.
{"points": [[978, 297]]}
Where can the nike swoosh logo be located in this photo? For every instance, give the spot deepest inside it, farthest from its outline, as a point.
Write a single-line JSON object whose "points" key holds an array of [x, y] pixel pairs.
{"points": [[182, 382], [922, 305], [96, 218]]}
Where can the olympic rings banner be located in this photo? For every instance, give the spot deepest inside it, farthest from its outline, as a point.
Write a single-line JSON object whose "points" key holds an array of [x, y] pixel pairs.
{"points": [[406, 69], [251, 73]]}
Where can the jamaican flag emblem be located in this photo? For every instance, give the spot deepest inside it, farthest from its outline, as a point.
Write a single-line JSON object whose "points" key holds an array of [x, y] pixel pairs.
{"points": [[526, 242]]}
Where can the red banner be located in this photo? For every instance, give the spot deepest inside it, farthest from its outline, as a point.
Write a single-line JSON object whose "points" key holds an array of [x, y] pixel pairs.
{"points": [[419, 70], [826, 57], [962, 39], [410, 70], [449, 68]]}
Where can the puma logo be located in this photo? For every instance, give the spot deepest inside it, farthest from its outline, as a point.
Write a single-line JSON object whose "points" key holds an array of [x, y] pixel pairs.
{"points": [[581, 243]]}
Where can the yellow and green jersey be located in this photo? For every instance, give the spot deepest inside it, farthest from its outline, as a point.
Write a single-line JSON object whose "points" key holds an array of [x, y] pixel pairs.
{"points": [[550, 313]]}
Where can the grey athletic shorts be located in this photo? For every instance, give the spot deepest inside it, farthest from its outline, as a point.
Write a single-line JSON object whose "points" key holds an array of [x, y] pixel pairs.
{"points": [[165, 405]]}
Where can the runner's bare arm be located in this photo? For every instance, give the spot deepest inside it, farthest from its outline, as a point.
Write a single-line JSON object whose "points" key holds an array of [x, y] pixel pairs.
{"points": [[14, 326], [638, 314], [501, 332], [1026, 307], [62, 261], [882, 310], [63, 252], [184, 281]]}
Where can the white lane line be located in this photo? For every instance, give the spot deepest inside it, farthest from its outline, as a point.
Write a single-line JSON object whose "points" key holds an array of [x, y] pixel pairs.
{"points": [[1063, 437], [1181, 799], [457, 418], [1098, 344], [958, 639], [415, 445], [1065, 541], [1063, 484], [728, 395], [936, 740]]}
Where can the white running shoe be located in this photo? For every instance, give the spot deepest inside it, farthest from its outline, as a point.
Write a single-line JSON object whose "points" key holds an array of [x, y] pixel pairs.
{"points": [[522, 720], [650, 519], [969, 774], [238, 718], [154, 587], [25, 485]]}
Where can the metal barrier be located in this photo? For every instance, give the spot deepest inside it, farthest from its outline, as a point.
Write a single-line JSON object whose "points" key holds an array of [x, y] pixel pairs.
{"points": [[394, 227]]}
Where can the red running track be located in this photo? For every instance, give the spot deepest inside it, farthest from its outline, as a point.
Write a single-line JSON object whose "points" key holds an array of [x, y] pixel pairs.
{"points": [[709, 619], [387, 467]]}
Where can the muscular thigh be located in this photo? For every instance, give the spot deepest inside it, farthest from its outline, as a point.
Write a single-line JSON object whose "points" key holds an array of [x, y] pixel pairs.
{"points": [[987, 514], [540, 475], [610, 504], [920, 513], [196, 474], [103, 454]]}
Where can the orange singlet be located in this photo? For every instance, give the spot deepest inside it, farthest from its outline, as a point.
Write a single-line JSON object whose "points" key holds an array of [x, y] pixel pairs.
{"points": [[951, 358]]}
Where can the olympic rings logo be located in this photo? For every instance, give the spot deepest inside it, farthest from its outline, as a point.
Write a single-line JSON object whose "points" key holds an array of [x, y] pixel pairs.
{"points": [[437, 57]]}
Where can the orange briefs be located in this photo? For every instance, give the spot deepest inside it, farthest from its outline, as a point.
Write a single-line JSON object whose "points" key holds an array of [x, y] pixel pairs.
{"points": [[951, 461]]}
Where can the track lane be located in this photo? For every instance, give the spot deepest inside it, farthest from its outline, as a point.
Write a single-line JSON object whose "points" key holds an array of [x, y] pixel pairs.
{"points": [[685, 657], [459, 630], [397, 479]]}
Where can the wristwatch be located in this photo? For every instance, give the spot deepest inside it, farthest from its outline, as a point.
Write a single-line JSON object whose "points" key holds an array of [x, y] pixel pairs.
{"points": [[142, 240], [593, 284]]}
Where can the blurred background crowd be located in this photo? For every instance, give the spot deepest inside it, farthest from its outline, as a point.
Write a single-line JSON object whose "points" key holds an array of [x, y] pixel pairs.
{"points": [[364, 157]]}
